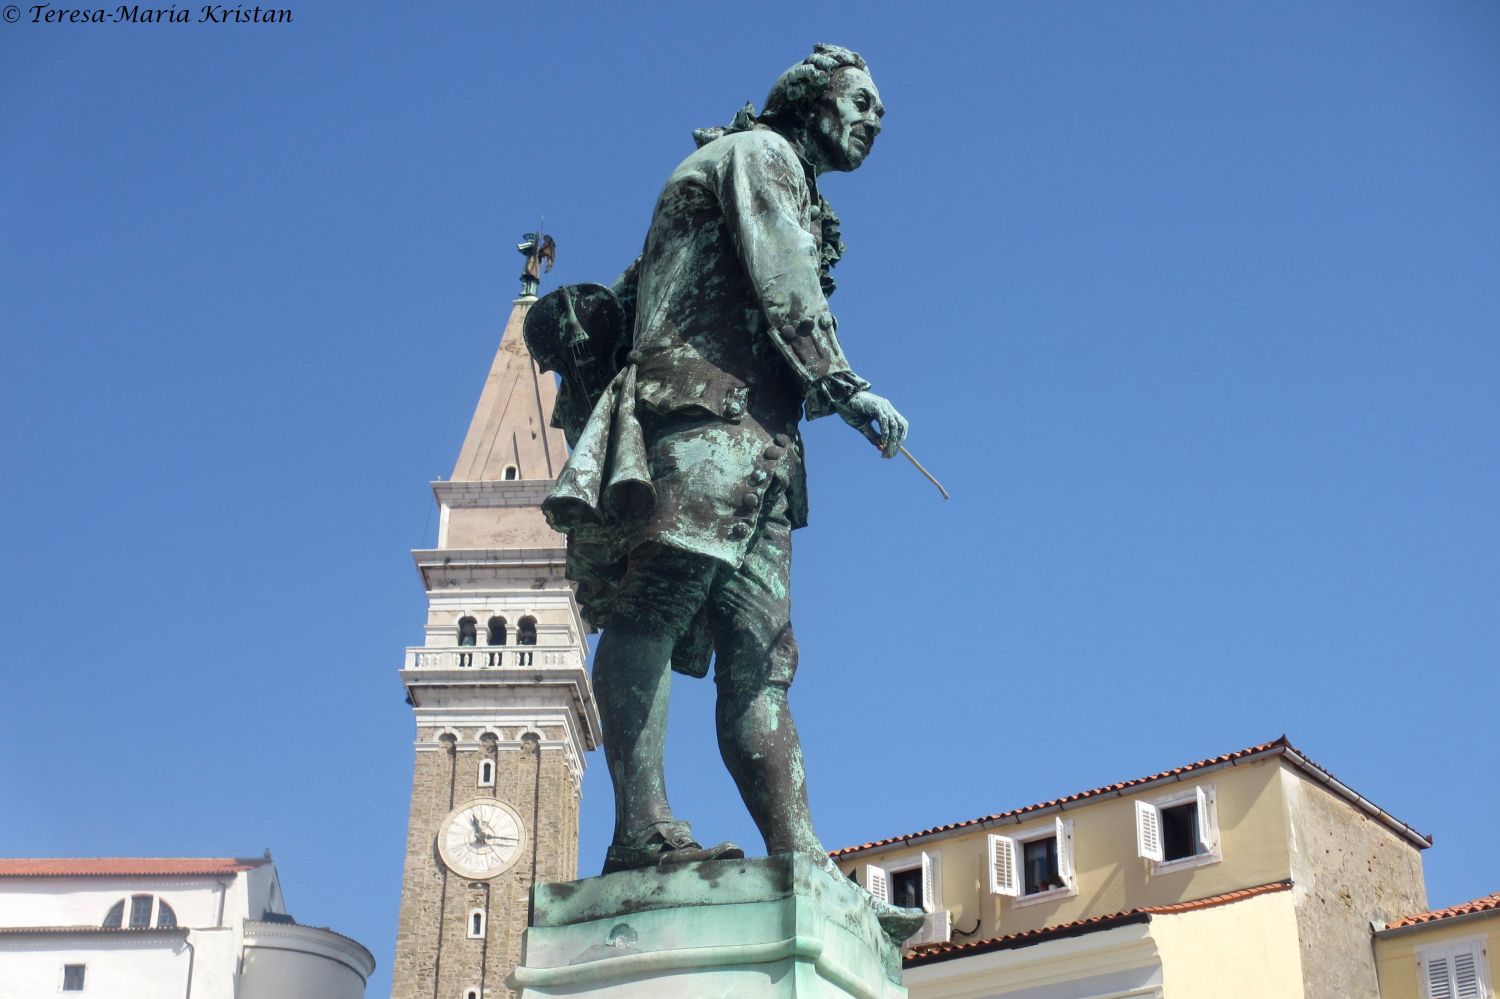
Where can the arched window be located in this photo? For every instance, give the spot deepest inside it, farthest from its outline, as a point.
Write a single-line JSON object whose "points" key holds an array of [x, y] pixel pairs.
{"points": [[166, 919], [496, 632], [115, 917], [467, 628], [471, 994], [476, 924], [487, 773], [140, 911], [512, 473], [525, 635]]}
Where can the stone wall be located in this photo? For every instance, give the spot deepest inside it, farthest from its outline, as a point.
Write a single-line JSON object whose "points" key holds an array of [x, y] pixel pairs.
{"points": [[434, 954], [1347, 869]]}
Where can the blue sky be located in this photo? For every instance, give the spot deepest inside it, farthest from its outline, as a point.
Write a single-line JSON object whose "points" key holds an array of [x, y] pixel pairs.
{"points": [[1193, 307]]}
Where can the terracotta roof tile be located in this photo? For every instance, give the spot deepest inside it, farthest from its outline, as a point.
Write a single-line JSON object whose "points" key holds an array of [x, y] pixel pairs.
{"points": [[1281, 745], [134, 867], [1489, 903], [947, 951]]}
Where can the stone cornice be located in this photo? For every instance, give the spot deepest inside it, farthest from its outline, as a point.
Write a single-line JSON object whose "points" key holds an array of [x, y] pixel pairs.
{"points": [[492, 493]]}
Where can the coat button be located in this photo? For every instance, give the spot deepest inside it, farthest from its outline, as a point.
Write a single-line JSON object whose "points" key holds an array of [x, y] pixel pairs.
{"points": [[739, 531], [788, 331], [750, 501], [773, 453], [826, 320], [782, 440], [806, 325], [758, 476]]}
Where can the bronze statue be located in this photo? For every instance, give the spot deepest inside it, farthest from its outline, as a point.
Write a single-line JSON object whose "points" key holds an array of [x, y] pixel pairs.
{"points": [[682, 394]]}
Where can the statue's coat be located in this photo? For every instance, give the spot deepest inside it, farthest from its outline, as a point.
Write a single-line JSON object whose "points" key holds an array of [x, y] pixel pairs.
{"points": [[733, 340]]}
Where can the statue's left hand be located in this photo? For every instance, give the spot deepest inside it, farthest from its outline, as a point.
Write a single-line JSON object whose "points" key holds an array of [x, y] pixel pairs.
{"points": [[863, 408]]}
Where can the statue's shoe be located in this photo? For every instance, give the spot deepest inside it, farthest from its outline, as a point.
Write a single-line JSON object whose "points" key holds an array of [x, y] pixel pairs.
{"points": [[899, 923], [692, 853], [666, 844]]}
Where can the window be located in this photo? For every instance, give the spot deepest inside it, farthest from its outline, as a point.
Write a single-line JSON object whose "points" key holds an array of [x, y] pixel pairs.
{"points": [[471, 994], [476, 924], [525, 635], [73, 977], [140, 911], [1039, 865], [467, 633], [486, 773], [906, 888], [910, 884], [1454, 971], [511, 473], [140, 914], [1179, 830], [914, 884], [1033, 863]]}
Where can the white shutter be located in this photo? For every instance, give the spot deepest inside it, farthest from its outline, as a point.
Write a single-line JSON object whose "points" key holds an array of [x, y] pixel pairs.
{"points": [[878, 882], [1065, 851], [1466, 976], [1439, 982], [1003, 874], [928, 883], [1148, 831], [1208, 820]]}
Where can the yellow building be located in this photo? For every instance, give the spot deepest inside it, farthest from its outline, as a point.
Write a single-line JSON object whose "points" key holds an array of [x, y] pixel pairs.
{"points": [[1253, 874], [1444, 954]]}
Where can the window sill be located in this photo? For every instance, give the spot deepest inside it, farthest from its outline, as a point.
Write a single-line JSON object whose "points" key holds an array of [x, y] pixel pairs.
{"points": [[1050, 895], [1185, 863]]}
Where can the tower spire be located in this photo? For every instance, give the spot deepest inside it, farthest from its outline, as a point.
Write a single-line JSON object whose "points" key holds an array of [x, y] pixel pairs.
{"points": [[510, 436]]}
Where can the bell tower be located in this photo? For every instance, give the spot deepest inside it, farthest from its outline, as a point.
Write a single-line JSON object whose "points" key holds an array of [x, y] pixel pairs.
{"points": [[500, 696]]}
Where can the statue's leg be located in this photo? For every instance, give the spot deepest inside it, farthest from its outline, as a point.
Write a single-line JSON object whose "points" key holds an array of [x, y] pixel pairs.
{"points": [[759, 744], [755, 661], [632, 680], [658, 599]]}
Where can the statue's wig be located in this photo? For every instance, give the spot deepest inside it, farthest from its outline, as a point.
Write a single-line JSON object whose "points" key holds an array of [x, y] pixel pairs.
{"points": [[800, 87]]}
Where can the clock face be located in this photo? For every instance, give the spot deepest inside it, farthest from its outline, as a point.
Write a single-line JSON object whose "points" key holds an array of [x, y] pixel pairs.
{"points": [[481, 838]]}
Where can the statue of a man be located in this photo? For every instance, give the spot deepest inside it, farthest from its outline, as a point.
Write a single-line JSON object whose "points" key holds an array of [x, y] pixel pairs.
{"points": [[687, 480]]}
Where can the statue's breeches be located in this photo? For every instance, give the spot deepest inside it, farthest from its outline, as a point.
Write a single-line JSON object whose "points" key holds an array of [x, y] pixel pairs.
{"points": [[746, 610]]}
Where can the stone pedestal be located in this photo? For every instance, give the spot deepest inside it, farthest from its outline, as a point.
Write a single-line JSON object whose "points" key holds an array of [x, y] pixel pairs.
{"points": [[748, 929]]}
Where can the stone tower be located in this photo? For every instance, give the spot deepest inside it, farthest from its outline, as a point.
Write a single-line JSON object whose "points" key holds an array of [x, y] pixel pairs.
{"points": [[500, 696]]}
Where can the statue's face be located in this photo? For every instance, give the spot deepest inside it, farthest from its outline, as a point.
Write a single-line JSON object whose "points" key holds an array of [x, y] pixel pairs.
{"points": [[847, 119]]}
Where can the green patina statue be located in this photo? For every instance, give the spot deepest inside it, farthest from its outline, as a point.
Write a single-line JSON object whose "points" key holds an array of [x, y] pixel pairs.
{"points": [[683, 386]]}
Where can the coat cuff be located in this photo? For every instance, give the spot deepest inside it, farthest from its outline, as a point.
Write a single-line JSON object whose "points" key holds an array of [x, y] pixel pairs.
{"points": [[827, 394]]}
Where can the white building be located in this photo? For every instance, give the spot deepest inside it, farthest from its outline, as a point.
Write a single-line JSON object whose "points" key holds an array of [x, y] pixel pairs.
{"points": [[155, 928]]}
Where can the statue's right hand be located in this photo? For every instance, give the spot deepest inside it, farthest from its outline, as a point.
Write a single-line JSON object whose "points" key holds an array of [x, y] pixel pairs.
{"points": [[864, 408]]}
